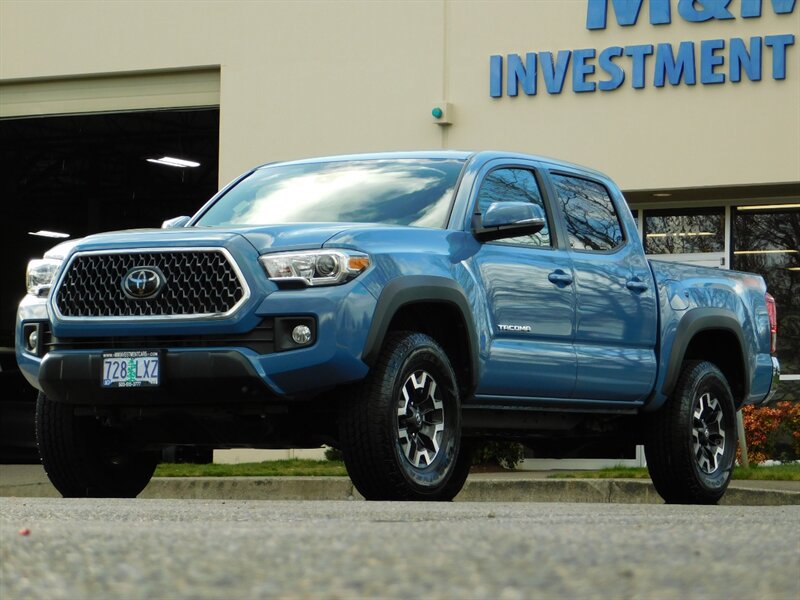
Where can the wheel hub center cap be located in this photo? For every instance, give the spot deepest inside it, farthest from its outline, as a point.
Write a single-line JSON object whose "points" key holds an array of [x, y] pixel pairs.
{"points": [[414, 420]]}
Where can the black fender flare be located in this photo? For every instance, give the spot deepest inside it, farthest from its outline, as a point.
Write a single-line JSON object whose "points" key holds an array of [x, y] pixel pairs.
{"points": [[416, 289], [694, 322]]}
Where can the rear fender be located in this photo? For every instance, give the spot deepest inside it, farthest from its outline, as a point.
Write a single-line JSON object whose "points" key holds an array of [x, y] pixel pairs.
{"points": [[694, 322]]}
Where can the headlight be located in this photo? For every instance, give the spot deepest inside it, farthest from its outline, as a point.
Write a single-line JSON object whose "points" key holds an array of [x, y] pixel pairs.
{"points": [[316, 267], [40, 274]]}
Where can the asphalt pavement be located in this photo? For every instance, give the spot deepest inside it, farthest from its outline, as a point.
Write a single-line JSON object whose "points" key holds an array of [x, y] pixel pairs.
{"points": [[131, 549]]}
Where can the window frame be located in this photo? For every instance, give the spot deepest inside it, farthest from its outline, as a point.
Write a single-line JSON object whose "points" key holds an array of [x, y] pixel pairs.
{"points": [[734, 265]]}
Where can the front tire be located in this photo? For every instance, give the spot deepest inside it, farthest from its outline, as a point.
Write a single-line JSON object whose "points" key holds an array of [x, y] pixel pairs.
{"points": [[401, 429], [692, 441], [83, 459]]}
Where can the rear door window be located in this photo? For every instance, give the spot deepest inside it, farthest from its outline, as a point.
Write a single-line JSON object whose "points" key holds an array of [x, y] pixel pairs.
{"points": [[591, 218]]}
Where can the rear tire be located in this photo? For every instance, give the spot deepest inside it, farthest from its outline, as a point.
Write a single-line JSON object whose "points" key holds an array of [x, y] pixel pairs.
{"points": [[692, 442], [401, 429], [83, 459]]}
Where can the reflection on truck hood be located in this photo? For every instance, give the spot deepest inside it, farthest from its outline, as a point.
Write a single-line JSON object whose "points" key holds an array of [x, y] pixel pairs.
{"points": [[269, 238], [264, 238]]}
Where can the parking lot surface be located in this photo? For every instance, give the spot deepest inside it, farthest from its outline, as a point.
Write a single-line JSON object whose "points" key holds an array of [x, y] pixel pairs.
{"points": [[255, 549]]}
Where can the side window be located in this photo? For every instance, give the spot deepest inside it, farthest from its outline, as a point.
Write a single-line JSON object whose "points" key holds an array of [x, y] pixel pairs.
{"points": [[592, 221], [514, 185]]}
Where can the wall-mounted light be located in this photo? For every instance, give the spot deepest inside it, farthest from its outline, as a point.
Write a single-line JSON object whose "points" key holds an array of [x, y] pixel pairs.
{"points": [[442, 113], [662, 195], [767, 206], [49, 234], [171, 161]]}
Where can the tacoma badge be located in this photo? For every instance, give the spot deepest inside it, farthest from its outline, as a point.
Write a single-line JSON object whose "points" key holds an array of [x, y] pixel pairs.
{"points": [[522, 328]]}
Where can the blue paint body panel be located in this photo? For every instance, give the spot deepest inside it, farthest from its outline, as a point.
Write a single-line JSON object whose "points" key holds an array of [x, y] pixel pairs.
{"points": [[549, 325]]}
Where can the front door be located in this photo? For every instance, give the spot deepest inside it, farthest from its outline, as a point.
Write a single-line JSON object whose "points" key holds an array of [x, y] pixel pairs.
{"points": [[530, 297]]}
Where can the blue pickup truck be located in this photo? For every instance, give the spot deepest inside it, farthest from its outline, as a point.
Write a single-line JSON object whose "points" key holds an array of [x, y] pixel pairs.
{"points": [[398, 307]]}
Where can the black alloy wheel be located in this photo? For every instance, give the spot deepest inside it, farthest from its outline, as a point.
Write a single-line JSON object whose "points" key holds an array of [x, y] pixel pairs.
{"points": [[691, 444], [401, 429]]}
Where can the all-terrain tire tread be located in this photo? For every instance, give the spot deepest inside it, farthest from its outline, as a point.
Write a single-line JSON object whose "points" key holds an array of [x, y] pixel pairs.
{"points": [[673, 477], [367, 444], [72, 465]]}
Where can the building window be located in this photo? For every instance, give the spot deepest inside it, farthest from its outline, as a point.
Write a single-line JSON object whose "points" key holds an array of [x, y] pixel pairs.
{"points": [[767, 241], [684, 231], [592, 221]]}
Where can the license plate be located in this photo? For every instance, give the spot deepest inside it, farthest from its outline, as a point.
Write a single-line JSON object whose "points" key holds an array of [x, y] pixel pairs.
{"points": [[139, 368]]}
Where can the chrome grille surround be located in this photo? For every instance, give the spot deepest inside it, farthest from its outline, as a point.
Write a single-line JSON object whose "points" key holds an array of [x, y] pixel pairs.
{"points": [[201, 283]]}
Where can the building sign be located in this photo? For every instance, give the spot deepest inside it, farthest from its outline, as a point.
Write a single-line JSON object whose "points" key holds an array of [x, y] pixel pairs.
{"points": [[710, 61]]}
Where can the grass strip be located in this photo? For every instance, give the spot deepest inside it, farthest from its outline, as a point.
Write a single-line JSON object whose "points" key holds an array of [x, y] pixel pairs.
{"points": [[790, 472], [294, 467]]}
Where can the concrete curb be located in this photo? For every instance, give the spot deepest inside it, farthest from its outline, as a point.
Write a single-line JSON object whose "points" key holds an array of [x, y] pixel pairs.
{"points": [[252, 488], [604, 491]]}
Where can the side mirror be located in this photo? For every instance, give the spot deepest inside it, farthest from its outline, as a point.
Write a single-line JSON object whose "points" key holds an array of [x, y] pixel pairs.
{"points": [[508, 219], [175, 222]]}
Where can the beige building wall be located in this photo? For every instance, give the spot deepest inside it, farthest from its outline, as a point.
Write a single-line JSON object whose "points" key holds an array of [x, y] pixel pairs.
{"points": [[319, 77]]}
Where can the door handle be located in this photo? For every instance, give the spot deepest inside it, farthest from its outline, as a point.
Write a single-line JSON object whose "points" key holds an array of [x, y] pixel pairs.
{"points": [[636, 285], [560, 278]]}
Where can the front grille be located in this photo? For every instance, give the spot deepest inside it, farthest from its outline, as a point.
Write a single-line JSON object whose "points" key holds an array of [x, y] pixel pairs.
{"points": [[260, 340], [199, 282]]}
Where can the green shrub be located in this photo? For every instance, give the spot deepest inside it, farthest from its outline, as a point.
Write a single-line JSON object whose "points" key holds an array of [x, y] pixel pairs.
{"points": [[334, 454], [505, 454]]}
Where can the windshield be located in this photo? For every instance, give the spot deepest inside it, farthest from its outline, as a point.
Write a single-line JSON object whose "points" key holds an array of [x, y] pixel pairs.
{"points": [[415, 192]]}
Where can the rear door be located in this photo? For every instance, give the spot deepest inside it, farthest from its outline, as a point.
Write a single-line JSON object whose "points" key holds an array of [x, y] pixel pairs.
{"points": [[616, 317], [530, 297]]}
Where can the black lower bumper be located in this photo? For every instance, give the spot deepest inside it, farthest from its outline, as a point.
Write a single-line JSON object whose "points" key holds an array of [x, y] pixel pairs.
{"points": [[191, 378]]}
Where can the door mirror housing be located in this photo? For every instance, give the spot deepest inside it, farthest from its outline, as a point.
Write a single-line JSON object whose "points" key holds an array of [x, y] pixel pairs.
{"points": [[508, 219], [175, 222]]}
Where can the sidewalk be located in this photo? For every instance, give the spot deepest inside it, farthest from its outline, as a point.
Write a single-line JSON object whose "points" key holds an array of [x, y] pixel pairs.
{"points": [[508, 486]]}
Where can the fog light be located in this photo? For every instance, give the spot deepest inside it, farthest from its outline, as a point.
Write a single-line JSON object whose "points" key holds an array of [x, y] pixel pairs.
{"points": [[33, 340], [301, 334]]}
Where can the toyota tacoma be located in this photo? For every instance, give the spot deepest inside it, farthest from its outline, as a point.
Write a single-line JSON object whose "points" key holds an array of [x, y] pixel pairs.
{"points": [[398, 307]]}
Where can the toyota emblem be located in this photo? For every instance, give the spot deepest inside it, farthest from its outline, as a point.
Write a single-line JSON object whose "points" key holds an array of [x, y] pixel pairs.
{"points": [[141, 283]]}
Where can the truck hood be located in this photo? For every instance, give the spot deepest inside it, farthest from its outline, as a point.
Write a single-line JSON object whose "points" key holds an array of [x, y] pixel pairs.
{"points": [[264, 238], [269, 238]]}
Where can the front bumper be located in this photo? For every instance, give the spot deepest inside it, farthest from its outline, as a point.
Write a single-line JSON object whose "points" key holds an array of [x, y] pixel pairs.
{"points": [[217, 371], [195, 378]]}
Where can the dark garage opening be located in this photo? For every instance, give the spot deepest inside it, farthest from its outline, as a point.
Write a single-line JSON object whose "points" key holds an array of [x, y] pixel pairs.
{"points": [[83, 174]]}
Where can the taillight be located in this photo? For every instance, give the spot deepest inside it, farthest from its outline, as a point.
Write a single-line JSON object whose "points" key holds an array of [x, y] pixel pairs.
{"points": [[773, 322]]}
